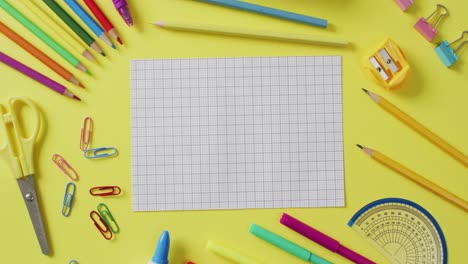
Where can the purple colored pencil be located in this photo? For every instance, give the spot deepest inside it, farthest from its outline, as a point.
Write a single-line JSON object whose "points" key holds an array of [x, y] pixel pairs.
{"points": [[323, 240], [36, 76]]}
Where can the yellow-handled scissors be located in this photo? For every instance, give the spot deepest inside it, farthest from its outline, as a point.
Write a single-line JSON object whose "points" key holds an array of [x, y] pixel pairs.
{"points": [[18, 151]]}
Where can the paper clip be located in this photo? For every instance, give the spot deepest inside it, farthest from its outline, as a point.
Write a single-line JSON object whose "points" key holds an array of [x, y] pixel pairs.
{"points": [[102, 227], [86, 133], [404, 4], [428, 30], [105, 191], [99, 153], [65, 167], [68, 199], [73, 262], [108, 218], [447, 54]]}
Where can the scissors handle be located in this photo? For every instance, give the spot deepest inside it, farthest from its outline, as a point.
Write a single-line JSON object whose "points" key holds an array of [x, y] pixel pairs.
{"points": [[18, 148]]}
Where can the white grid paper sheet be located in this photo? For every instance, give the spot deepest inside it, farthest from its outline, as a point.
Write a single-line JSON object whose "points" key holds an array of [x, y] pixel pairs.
{"points": [[236, 133]]}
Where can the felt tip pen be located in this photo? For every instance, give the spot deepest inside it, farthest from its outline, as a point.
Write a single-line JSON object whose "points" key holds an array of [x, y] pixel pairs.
{"points": [[124, 11], [162, 250]]}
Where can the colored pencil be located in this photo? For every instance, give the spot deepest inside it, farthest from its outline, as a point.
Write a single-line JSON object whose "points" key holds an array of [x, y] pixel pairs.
{"points": [[89, 21], [73, 25], [268, 11], [418, 127], [42, 35], [56, 29], [416, 178], [37, 76], [64, 73], [102, 18], [256, 34]]}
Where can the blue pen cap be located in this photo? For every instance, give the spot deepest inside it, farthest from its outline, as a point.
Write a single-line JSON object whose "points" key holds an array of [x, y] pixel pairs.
{"points": [[162, 249]]}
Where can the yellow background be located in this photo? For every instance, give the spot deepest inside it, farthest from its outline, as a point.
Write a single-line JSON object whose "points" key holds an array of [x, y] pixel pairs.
{"points": [[434, 95]]}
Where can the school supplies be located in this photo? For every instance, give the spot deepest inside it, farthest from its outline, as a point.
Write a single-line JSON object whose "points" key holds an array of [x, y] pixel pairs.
{"points": [[418, 179], [70, 58], [162, 250], [255, 34], [105, 191], [68, 199], [41, 56], [86, 131], [73, 25], [36, 76], [229, 253], [89, 21], [102, 18], [322, 239], [122, 7], [418, 127], [253, 122], [447, 53], [402, 231], [56, 29], [428, 30], [18, 152], [404, 4], [268, 11], [101, 225], [387, 65], [286, 245], [100, 153], [65, 167], [106, 215], [73, 262]]}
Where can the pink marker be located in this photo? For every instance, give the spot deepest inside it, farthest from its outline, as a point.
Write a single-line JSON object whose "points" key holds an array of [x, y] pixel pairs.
{"points": [[124, 11], [404, 4], [427, 29], [322, 239]]}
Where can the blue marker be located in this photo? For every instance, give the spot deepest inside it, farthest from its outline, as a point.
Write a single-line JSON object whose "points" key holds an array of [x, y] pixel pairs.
{"points": [[162, 250], [89, 21]]}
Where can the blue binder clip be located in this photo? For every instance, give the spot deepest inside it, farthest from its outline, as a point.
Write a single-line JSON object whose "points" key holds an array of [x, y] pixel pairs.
{"points": [[447, 54]]}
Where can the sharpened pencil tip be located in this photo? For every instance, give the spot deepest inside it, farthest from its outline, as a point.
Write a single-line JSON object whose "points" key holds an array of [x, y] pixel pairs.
{"points": [[76, 98], [359, 146], [113, 46], [89, 73], [81, 85], [365, 90], [120, 41], [103, 54]]}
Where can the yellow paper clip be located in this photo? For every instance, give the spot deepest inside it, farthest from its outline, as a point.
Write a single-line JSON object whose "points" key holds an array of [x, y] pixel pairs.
{"points": [[108, 218], [86, 131], [65, 167], [68, 198], [387, 65]]}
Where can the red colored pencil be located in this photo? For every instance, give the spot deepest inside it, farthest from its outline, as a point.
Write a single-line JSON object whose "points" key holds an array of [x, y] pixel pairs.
{"points": [[101, 17]]}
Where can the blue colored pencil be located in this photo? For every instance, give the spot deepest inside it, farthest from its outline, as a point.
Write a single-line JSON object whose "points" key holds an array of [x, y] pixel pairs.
{"points": [[89, 21], [268, 11]]}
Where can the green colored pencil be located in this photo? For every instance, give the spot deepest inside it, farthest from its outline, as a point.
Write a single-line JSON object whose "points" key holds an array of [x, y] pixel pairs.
{"points": [[71, 23], [42, 35]]}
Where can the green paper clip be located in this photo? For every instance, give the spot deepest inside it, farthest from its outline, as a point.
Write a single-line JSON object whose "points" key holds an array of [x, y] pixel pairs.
{"points": [[99, 153], [108, 218]]}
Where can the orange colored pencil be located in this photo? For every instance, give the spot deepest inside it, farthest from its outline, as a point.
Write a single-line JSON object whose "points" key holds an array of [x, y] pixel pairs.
{"points": [[64, 73]]}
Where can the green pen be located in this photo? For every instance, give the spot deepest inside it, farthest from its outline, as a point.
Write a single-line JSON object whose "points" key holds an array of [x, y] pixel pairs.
{"points": [[287, 245]]}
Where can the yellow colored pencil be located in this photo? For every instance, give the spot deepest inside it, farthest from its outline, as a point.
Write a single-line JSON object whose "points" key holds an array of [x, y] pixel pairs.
{"points": [[416, 178], [256, 34], [68, 40], [418, 127]]}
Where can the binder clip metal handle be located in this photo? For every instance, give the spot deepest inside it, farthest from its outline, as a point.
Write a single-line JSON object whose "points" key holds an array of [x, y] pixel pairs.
{"points": [[447, 54], [429, 30]]}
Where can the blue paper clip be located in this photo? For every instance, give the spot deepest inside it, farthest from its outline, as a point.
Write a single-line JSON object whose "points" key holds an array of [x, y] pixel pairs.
{"points": [[447, 54], [68, 199], [99, 153]]}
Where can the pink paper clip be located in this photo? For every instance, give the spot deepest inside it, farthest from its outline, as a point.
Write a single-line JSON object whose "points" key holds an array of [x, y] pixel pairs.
{"points": [[427, 29], [105, 191], [86, 133], [65, 167], [404, 4], [102, 227]]}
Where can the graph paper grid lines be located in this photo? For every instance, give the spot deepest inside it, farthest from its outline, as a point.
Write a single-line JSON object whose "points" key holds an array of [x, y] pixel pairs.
{"points": [[237, 133]]}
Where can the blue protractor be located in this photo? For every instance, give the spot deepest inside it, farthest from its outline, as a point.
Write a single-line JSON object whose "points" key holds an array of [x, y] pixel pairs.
{"points": [[403, 231]]}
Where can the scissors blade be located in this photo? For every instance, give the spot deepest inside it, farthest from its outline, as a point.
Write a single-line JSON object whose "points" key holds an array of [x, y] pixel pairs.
{"points": [[28, 190]]}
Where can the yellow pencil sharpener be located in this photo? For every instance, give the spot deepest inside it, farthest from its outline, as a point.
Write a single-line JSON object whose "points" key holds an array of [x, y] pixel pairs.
{"points": [[387, 65]]}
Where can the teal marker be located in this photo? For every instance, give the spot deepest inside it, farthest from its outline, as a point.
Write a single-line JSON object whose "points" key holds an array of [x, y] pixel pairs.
{"points": [[286, 245]]}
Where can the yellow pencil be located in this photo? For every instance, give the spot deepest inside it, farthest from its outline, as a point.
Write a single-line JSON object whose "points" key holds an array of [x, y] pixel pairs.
{"points": [[416, 178], [226, 31], [69, 41], [416, 126]]}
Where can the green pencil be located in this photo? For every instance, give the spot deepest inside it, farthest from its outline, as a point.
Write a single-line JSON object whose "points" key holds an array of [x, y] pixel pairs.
{"points": [[71, 23], [42, 35]]}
